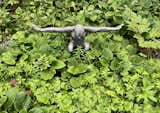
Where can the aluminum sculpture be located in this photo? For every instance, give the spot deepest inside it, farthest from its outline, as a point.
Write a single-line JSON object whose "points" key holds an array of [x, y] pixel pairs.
{"points": [[77, 33]]}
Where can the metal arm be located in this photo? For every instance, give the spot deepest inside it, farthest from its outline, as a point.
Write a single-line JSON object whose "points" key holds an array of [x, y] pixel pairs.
{"points": [[102, 29], [53, 29]]}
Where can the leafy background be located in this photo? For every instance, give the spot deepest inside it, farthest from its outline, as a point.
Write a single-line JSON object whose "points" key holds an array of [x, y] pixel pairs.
{"points": [[119, 74]]}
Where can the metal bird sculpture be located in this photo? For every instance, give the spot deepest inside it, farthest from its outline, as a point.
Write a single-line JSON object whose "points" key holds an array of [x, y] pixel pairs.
{"points": [[77, 33]]}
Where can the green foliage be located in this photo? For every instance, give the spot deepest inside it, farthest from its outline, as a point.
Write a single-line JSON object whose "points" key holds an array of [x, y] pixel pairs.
{"points": [[16, 101], [111, 77], [146, 29]]}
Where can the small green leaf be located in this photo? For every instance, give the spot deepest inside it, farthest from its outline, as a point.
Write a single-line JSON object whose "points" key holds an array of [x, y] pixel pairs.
{"points": [[18, 10], [107, 53], [93, 18], [154, 99], [23, 110], [45, 109], [117, 38], [115, 64]]}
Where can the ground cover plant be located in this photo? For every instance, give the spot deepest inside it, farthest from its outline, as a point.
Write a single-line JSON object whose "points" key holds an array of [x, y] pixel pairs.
{"points": [[119, 74]]}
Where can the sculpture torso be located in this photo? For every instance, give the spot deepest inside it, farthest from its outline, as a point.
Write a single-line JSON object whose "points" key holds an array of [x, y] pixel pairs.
{"points": [[78, 32], [78, 36]]}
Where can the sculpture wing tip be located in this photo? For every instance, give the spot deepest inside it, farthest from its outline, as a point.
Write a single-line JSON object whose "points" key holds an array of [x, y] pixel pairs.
{"points": [[34, 26], [120, 26]]}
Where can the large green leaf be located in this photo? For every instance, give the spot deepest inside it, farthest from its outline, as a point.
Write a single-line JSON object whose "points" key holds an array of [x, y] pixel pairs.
{"points": [[3, 99], [42, 95], [20, 100], [48, 75], [78, 69], [76, 82], [11, 95], [8, 58], [58, 64]]}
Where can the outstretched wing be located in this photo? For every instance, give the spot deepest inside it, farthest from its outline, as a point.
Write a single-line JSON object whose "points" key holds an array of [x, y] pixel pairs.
{"points": [[102, 29], [53, 29]]}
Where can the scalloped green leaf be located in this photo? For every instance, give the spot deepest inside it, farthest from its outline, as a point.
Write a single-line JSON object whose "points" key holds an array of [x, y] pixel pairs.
{"points": [[107, 54], [58, 64], [75, 82], [48, 75], [115, 64], [78, 69]]}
